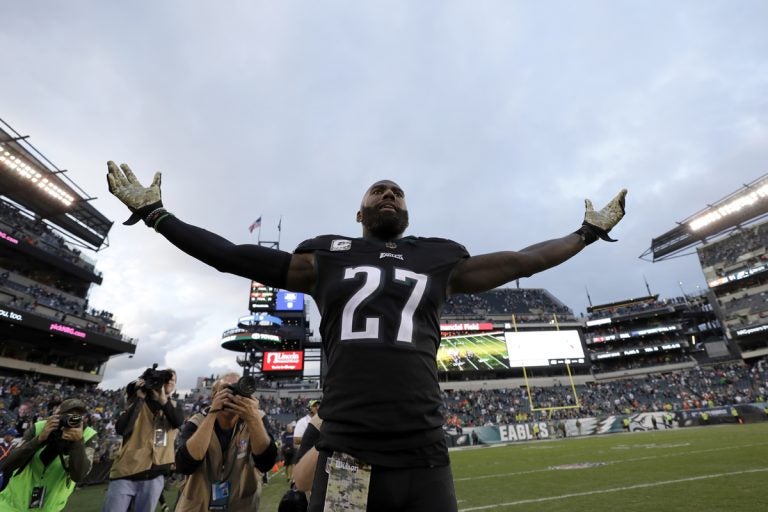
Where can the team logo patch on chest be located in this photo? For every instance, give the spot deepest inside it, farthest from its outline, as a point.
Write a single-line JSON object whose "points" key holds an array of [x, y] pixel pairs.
{"points": [[391, 255], [341, 245]]}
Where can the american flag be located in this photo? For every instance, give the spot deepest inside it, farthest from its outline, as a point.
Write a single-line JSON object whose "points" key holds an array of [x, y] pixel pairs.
{"points": [[256, 224]]}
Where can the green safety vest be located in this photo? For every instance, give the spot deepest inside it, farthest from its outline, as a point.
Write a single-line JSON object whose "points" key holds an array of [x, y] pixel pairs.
{"points": [[58, 485]]}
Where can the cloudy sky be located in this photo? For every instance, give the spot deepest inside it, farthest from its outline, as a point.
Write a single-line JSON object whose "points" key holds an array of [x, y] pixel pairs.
{"points": [[498, 118]]}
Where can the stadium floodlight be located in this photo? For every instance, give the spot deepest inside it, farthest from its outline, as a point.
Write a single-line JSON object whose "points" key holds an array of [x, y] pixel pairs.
{"points": [[729, 208], [24, 170], [743, 207]]}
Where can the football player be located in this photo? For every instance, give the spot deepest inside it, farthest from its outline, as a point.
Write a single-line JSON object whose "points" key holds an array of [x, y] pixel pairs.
{"points": [[380, 296]]}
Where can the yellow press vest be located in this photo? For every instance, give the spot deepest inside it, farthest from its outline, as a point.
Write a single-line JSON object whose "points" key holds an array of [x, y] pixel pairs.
{"points": [[58, 486], [139, 453], [235, 466]]}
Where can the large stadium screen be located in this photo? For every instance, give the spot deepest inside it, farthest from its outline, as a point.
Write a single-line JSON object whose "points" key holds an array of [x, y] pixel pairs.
{"points": [[473, 352], [262, 297], [286, 361], [544, 348], [289, 301]]}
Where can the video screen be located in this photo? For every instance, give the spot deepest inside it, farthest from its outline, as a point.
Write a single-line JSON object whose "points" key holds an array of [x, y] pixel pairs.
{"points": [[286, 361], [262, 297], [289, 301], [472, 352], [507, 350], [544, 348]]}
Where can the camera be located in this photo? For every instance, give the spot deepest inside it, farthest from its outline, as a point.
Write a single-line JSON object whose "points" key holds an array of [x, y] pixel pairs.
{"points": [[70, 421], [245, 386], [293, 501], [154, 378]]}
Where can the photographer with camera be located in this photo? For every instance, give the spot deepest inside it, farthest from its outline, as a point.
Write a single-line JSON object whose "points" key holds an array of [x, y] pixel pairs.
{"points": [[225, 450], [56, 454], [148, 428]]}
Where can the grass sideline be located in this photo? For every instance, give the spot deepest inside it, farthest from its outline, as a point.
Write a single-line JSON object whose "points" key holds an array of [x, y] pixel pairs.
{"points": [[717, 468]]}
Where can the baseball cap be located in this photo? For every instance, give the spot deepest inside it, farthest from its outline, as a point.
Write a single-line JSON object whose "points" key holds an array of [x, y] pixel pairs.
{"points": [[72, 404], [11, 432], [313, 403]]}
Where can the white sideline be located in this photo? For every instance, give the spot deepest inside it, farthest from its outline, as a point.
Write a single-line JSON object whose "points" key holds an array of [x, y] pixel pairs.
{"points": [[615, 489]]}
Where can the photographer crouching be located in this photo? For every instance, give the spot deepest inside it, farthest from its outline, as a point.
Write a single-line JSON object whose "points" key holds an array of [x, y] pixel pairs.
{"points": [[56, 454], [148, 429], [225, 450]]}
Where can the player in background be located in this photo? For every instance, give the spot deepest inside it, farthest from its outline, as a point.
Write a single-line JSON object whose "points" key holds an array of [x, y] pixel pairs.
{"points": [[380, 297]]}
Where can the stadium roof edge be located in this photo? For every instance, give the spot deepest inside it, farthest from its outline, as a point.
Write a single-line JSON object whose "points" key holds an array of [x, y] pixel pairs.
{"points": [[80, 219], [744, 206]]}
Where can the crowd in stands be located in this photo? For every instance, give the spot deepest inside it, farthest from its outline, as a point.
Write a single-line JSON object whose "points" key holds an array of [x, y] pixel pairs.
{"points": [[700, 387], [25, 400], [640, 361], [636, 307], [747, 304], [36, 232], [51, 302], [727, 251], [527, 304]]}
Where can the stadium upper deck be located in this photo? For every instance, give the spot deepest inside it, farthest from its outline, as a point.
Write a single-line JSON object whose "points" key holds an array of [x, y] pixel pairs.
{"points": [[736, 270], [527, 304], [731, 240], [46, 223]]}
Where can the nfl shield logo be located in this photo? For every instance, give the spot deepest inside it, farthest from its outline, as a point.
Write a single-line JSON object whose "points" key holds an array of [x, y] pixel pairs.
{"points": [[341, 245], [390, 245]]}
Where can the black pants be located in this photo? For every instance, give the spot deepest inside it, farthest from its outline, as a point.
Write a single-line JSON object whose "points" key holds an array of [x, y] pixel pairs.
{"points": [[396, 489]]}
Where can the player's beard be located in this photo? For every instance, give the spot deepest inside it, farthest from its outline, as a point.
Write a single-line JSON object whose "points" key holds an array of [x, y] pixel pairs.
{"points": [[384, 225]]}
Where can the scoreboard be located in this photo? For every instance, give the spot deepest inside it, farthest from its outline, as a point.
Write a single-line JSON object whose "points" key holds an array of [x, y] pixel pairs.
{"points": [[262, 297], [274, 333], [265, 298]]}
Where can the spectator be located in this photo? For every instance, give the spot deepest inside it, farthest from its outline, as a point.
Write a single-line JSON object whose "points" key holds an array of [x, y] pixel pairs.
{"points": [[287, 450], [301, 425]]}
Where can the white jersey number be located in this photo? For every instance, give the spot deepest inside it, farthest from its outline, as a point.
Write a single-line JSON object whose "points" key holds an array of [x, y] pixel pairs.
{"points": [[372, 284]]}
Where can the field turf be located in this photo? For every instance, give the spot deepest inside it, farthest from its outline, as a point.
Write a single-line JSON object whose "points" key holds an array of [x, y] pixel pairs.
{"points": [[718, 468]]}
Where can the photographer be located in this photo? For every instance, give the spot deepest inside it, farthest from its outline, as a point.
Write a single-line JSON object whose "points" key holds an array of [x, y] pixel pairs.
{"points": [[148, 429], [224, 450], [56, 454]]}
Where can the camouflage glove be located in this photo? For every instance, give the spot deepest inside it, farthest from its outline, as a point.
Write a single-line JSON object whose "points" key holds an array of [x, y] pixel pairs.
{"points": [[142, 201], [598, 224]]}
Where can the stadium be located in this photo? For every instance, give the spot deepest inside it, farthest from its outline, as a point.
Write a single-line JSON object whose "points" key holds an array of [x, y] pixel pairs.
{"points": [[529, 388]]}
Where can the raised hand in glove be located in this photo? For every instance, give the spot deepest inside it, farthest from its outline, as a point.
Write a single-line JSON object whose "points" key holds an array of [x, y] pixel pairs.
{"points": [[597, 224], [141, 200]]}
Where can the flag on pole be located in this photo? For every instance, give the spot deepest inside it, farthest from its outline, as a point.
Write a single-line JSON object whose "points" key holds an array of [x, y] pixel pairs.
{"points": [[256, 224], [280, 223]]}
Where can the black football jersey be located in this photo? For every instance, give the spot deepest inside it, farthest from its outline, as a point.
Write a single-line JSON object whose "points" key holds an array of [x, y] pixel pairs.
{"points": [[380, 305]]}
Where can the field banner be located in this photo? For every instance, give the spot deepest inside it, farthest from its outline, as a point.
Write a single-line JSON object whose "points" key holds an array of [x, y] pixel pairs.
{"points": [[638, 422]]}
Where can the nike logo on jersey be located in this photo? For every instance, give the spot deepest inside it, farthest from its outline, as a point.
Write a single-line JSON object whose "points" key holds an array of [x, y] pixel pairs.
{"points": [[391, 255], [341, 245]]}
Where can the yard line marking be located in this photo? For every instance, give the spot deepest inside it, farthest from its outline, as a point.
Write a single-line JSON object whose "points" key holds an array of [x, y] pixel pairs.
{"points": [[614, 489], [500, 475], [621, 461]]}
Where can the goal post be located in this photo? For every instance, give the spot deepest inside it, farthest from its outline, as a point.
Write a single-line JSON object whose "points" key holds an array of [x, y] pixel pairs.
{"points": [[549, 410]]}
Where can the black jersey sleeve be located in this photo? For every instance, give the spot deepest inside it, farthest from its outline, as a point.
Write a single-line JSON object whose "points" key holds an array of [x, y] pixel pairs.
{"points": [[268, 266]]}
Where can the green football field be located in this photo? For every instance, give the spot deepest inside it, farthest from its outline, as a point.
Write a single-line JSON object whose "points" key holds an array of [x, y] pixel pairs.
{"points": [[718, 468]]}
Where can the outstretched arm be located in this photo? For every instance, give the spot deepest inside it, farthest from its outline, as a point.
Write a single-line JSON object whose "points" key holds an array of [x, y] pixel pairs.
{"points": [[269, 266], [487, 271]]}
